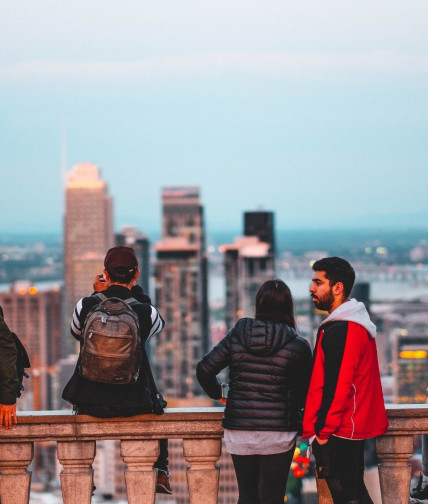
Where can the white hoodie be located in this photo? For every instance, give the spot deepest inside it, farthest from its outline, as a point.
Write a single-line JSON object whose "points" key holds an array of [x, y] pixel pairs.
{"points": [[352, 311]]}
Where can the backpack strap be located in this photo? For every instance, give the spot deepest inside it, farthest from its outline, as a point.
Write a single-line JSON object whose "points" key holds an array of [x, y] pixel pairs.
{"points": [[99, 296], [131, 301]]}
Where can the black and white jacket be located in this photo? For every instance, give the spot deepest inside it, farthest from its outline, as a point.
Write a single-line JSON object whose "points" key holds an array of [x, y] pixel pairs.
{"points": [[107, 400]]}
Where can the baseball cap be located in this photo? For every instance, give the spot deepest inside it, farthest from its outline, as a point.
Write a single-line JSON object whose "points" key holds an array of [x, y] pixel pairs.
{"points": [[121, 260]]}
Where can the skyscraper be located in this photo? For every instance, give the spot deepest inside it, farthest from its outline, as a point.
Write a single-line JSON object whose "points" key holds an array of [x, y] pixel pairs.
{"points": [[410, 367], [88, 234], [248, 262], [261, 224], [181, 292], [130, 237], [34, 314]]}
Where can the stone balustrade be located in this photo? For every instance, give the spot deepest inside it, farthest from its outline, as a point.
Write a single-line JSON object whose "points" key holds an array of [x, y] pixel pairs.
{"points": [[201, 431]]}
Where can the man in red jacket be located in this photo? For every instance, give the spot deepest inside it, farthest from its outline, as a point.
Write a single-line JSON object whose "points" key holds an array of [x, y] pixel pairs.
{"points": [[345, 402]]}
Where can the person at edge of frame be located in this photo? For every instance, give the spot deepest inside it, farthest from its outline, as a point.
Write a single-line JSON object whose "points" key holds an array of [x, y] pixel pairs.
{"points": [[8, 376]]}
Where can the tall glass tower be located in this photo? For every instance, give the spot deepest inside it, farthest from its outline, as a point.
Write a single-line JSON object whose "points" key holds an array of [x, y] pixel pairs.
{"points": [[88, 234], [181, 292]]}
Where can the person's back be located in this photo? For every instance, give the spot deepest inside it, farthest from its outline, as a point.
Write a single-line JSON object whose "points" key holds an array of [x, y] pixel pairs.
{"points": [[106, 400], [269, 370]]}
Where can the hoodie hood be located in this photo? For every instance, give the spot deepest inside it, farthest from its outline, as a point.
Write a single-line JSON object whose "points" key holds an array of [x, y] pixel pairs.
{"points": [[353, 311], [261, 337]]}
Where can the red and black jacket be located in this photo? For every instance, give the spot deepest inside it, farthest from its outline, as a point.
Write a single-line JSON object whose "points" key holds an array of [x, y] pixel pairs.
{"points": [[345, 396]]}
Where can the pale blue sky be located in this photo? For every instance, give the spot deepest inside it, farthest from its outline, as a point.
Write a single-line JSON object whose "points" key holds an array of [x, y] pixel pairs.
{"points": [[317, 110]]}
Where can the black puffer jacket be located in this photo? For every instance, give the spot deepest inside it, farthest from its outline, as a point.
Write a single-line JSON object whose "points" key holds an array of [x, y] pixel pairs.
{"points": [[269, 372]]}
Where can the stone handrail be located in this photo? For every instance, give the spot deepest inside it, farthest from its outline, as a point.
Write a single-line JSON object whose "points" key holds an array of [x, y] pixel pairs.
{"points": [[201, 431]]}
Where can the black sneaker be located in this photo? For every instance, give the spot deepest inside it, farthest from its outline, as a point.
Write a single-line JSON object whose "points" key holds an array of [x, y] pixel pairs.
{"points": [[163, 485], [419, 494]]}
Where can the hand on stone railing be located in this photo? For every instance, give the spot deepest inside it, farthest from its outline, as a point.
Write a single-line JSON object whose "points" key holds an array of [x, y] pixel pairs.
{"points": [[8, 415]]}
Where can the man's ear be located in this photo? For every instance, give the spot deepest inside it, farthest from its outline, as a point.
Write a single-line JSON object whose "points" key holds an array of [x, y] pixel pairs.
{"points": [[106, 275], [136, 275], [338, 289]]}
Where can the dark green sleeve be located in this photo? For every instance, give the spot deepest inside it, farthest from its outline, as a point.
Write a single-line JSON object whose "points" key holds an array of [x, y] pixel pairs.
{"points": [[8, 375]]}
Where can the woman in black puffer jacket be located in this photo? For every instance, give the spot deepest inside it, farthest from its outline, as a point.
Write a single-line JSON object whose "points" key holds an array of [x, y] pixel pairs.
{"points": [[269, 372]]}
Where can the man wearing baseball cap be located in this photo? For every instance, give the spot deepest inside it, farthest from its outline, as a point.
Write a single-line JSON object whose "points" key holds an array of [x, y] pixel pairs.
{"points": [[106, 400]]}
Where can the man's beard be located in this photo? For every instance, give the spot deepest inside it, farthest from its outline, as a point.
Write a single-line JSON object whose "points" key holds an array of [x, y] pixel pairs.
{"points": [[325, 302]]}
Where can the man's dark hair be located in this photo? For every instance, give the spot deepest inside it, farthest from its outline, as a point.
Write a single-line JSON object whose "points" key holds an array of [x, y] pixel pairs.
{"points": [[337, 270], [275, 303], [121, 275]]}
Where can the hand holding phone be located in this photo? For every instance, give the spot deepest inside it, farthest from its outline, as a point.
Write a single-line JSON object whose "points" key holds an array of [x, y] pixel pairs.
{"points": [[224, 393], [100, 283]]}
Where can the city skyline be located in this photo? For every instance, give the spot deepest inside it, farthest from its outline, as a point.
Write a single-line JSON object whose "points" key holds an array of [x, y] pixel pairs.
{"points": [[314, 110]]}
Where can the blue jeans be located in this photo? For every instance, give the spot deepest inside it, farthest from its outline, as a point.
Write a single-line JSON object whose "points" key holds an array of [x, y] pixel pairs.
{"points": [[262, 479]]}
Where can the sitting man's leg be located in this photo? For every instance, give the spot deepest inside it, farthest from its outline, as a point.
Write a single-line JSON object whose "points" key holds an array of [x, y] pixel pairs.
{"points": [[420, 492], [161, 465]]}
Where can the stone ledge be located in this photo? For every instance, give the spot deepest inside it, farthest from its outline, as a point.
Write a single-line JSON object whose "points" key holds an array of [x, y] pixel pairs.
{"points": [[179, 423]]}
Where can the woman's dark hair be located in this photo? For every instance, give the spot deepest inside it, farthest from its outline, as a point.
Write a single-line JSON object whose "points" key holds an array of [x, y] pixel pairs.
{"points": [[275, 303]]}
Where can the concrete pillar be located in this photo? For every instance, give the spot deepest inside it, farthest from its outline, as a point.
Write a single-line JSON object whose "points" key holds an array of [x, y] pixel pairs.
{"points": [[203, 475], [15, 478], [394, 470], [77, 476], [140, 477]]}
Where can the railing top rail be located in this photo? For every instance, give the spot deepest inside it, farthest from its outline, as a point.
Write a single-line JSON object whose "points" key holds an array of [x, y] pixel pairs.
{"points": [[61, 416], [181, 423]]}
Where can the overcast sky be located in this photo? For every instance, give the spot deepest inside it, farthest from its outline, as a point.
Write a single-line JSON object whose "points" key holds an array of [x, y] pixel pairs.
{"points": [[317, 110]]}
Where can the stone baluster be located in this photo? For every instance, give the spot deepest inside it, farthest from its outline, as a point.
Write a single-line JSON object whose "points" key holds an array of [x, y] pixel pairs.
{"points": [[394, 470], [324, 495], [77, 475], [203, 475], [140, 477], [15, 478]]}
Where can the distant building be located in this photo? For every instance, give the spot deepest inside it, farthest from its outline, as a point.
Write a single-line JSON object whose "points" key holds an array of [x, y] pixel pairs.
{"points": [[248, 262], [410, 368], [88, 234], [261, 224], [130, 237], [34, 314], [181, 293], [66, 367], [361, 292]]}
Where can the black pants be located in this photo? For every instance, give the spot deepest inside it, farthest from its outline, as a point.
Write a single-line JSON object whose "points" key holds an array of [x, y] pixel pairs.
{"points": [[341, 463], [161, 463], [262, 479]]}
